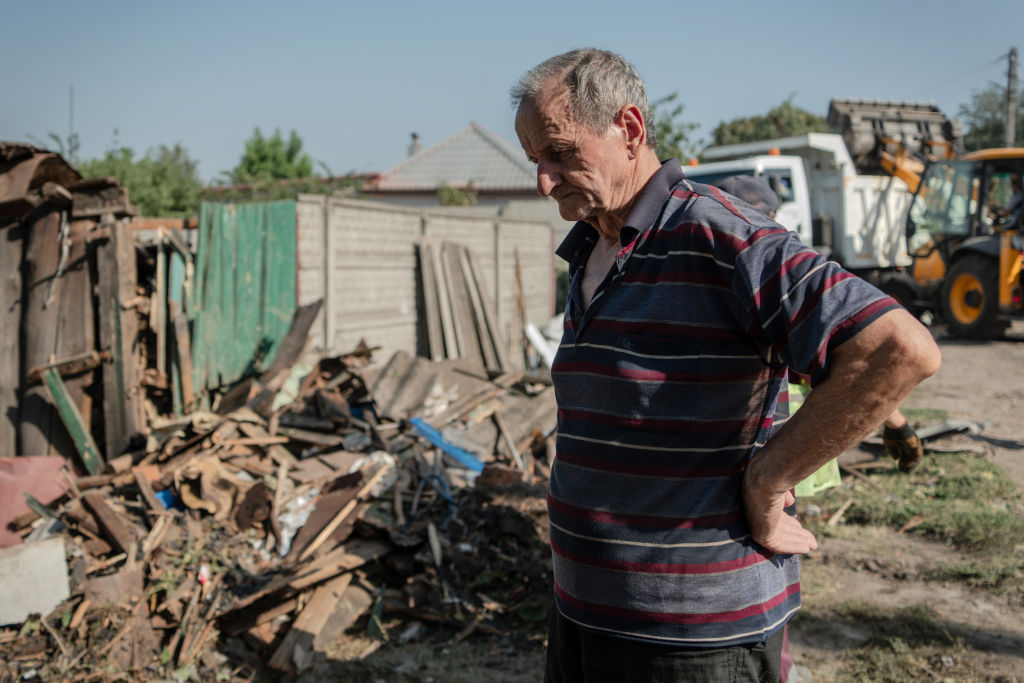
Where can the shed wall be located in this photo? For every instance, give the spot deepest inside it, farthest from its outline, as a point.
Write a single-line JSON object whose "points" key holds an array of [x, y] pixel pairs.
{"points": [[370, 279]]}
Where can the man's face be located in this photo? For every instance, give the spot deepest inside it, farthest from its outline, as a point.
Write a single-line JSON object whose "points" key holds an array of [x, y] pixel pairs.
{"points": [[581, 169]]}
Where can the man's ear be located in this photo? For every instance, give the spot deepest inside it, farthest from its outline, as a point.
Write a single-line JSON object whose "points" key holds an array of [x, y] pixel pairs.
{"points": [[632, 123]]}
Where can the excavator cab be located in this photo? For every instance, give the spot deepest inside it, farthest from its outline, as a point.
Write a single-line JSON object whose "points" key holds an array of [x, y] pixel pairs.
{"points": [[962, 232]]}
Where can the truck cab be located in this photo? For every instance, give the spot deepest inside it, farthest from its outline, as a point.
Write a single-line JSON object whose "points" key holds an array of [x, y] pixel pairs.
{"points": [[786, 176], [853, 218]]}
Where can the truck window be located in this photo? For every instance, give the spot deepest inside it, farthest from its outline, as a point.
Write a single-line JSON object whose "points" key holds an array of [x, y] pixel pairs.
{"points": [[781, 181], [945, 202]]}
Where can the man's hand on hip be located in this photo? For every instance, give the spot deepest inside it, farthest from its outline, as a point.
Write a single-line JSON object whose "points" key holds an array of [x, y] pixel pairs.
{"points": [[770, 525]]}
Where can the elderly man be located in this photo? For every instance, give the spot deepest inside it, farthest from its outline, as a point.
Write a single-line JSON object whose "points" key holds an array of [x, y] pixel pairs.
{"points": [[673, 533]]}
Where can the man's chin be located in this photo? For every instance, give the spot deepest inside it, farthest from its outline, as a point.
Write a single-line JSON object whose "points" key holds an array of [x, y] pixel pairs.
{"points": [[573, 210]]}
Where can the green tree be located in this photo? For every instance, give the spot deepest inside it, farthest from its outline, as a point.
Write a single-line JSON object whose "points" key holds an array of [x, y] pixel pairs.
{"points": [[273, 158], [455, 196], [782, 121], [671, 133], [164, 182], [984, 118]]}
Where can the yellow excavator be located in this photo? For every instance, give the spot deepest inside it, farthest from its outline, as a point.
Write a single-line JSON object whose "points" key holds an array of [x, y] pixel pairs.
{"points": [[963, 232], [964, 224]]}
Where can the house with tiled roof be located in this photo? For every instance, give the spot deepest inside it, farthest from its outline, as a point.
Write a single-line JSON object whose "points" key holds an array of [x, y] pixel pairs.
{"points": [[474, 158]]}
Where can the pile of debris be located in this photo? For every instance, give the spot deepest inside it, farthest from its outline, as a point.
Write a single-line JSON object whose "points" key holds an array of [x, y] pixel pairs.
{"points": [[258, 534]]}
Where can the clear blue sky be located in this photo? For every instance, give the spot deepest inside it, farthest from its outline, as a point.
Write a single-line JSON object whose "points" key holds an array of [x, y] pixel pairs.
{"points": [[354, 79]]}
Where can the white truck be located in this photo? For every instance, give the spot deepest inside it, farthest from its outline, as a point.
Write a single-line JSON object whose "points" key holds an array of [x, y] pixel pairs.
{"points": [[858, 220], [847, 194]]}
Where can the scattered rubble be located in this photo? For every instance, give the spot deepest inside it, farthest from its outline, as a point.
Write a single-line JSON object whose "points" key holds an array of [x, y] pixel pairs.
{"points": [[167, 518], [242, 540]]}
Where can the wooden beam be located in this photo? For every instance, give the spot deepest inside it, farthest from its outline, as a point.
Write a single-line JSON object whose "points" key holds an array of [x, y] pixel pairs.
{"points": [[482, 331], [183, 344], [444, 305], [428, 284], [161, 304], [493, 322], [72, 418], [78, 363], [110, 522], [326, 532], [12, 237], [296, 650]]}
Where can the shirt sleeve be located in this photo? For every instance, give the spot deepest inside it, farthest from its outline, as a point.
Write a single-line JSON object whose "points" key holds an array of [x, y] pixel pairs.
{"points": [[802, 304]]}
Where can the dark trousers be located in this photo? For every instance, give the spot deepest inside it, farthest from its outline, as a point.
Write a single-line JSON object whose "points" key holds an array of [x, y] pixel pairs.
{"points": [[581, 655]]}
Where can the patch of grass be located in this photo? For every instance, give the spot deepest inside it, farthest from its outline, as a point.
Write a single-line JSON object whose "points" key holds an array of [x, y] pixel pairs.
{"points": [[907, 644], [957, 499], [922, 416], [997, 573]]}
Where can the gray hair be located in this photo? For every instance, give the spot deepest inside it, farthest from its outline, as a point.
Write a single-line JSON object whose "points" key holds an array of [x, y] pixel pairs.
{"points": [[599, 83]]}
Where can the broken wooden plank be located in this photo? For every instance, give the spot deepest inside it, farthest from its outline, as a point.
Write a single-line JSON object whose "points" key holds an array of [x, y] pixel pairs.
{"points": [[183, 345], [74, 365], [354, 602], [310, 437], [344, 558], [462, 315], [142, 476], [482, 333], [325, 533], [296, 650], [428, 285], [109, 521], [510, 444], [451, 345], [161, 304], [498, 339], [72, 418], [12, 238]]}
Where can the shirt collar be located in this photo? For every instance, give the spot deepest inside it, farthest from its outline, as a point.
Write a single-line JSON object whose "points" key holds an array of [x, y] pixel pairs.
{"points": [[645, 211]]}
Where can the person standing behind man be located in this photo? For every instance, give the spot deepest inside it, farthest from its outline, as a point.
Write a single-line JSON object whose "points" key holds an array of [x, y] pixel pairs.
{"points": [[671, 514], [898, 436]]}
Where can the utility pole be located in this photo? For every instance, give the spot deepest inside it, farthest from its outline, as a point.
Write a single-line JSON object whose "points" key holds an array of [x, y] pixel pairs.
{"points": [[1011, 101]]}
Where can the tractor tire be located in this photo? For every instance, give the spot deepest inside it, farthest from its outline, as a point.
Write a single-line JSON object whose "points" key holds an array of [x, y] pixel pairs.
{"points": [[970, 298]]}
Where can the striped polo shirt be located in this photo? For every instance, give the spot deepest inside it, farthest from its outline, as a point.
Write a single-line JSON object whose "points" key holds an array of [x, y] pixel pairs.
{"points": [[667, 384]]}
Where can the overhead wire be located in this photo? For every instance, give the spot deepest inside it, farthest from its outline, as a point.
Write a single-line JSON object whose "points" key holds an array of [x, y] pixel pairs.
{"points": [[970, 72]]}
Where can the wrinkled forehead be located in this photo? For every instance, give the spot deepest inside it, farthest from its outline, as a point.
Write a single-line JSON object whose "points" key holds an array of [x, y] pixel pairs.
{"points": [[549, 114]]}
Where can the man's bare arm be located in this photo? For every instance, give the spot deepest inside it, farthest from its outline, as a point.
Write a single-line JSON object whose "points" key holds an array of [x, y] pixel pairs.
{"points": [[869, 376]]}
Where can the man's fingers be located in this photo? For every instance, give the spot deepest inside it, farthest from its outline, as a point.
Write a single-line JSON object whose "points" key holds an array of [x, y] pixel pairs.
{"points": [[787, 536], [790, 541]]}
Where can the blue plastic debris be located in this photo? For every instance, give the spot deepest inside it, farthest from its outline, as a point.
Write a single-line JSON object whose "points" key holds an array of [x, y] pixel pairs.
{"points": [[464, 457], [170, 501]]}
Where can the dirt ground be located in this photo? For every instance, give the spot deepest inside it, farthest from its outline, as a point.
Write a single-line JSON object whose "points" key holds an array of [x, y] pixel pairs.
{"points": [[981, 382]]}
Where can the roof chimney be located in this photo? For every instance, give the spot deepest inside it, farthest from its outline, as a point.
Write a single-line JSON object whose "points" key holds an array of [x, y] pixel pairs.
{"points": [[415, 145]]}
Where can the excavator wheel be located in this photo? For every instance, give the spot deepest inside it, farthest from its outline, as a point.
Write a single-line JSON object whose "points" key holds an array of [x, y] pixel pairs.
{"points": [[970, 298]]}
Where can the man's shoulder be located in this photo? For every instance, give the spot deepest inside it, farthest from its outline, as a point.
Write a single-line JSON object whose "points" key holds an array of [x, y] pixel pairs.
{"points": [[709, 207]]}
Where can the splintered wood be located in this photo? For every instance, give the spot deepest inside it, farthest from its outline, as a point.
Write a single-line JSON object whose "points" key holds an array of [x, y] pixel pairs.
{"points": [[242, 541]]}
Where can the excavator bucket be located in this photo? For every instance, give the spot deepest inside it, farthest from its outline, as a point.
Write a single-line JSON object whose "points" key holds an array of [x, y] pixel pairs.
{"points": [[882, 134]]}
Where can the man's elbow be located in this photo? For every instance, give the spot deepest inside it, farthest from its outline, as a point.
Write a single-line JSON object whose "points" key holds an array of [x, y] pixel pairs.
{"points": [[917, 351]]}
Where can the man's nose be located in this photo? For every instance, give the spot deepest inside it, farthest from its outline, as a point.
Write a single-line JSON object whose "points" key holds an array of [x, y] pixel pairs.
{"points": [[548, 178]]}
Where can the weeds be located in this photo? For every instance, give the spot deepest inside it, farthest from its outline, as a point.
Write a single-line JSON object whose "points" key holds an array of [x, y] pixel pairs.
{"points": [[960, 500], [905, 644], [957, 499], [924, 415]]}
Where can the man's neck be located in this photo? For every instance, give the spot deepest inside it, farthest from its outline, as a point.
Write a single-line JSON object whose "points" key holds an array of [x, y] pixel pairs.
{"points": [[609, 225]]}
